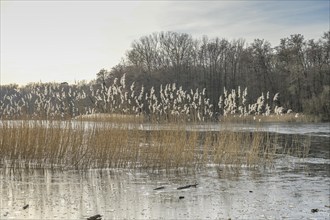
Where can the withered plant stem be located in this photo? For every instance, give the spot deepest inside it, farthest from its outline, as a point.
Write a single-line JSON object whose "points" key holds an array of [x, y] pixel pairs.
{"points": [[77, 145]]}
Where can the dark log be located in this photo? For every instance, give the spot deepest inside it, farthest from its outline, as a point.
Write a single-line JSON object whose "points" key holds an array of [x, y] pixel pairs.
{"points": [[161, 187], [95, 217], [187, 186]]}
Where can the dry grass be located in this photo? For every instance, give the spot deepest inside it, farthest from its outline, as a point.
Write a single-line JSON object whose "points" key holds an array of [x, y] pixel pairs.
{"points": [[72, 145], [290, 117], [114, 118]]}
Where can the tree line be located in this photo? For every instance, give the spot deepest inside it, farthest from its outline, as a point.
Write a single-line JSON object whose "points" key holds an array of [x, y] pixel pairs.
{"points": [[297, 69]]}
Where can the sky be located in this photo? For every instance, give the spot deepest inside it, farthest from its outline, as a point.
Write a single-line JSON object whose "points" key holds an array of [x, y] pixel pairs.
{"points": [[70, 41]]}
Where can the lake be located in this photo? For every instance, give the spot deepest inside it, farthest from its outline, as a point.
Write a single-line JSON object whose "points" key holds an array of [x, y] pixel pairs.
{"points": [[292, 187]]}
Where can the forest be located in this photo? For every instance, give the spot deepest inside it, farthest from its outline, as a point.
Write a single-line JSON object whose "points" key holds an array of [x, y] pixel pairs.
{"points": [[170, 68]]}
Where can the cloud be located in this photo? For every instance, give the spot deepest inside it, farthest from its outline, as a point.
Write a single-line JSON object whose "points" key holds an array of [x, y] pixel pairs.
{"points": [[271, 20]]}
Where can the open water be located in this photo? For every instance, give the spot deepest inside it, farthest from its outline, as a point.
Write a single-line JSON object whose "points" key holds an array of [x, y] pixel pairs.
{"points": [[292, 188]]}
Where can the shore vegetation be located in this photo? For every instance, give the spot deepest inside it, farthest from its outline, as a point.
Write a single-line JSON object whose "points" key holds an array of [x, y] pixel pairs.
{"points": [[77, 145]]}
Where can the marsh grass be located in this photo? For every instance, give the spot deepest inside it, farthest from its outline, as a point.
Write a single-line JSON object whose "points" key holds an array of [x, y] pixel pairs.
{"points": [[289, 117], [114, 118], [297, 146], [73, 145]]}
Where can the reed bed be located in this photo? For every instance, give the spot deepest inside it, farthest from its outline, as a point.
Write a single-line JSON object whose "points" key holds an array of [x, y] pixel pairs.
{"points": [[113, 118], [289, 117], [73, 145], [118, 101]]}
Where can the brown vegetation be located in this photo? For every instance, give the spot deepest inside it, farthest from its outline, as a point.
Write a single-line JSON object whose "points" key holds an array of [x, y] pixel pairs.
{"points": [[74, 145], [289, 117], [114, 118]]}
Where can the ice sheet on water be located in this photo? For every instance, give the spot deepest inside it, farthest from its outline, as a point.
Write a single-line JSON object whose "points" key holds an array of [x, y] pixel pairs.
{"points": [[221, 193]]}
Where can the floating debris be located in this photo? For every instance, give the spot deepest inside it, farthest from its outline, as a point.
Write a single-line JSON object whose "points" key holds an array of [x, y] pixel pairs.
{"points": [[161, 187], [95, 217], [314, 210], [26, 206], [181, 197], [250, 191], [187, 186]]}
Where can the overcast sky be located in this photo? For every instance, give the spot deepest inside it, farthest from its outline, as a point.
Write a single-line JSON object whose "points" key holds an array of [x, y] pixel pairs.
{"points": [[70, 41]]}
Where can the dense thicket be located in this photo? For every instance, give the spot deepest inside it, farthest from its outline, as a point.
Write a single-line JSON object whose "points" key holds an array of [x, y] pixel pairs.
{"points": [[297, 69]]}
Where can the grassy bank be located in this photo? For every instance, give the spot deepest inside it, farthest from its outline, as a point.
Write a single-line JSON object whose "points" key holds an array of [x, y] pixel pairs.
{"points": [[122, 118], [113, 118], [289, 117], [68, 145]]}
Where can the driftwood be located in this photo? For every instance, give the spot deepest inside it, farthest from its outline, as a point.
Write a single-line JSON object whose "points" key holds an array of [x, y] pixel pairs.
{"points": [[187, 186], [95, 217], [26, 206], [161, 187]]}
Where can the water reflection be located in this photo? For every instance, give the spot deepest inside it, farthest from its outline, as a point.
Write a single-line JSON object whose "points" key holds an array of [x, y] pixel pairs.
{"points": [[312, 129], [221, 193], [288, 189]]}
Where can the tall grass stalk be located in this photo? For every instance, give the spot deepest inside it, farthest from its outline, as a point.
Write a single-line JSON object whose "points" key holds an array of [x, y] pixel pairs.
{"points": [[168, 103], [73, 145]]}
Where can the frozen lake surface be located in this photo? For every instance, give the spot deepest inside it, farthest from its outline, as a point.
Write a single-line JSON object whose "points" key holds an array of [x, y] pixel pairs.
{"points": [[290, 189]]}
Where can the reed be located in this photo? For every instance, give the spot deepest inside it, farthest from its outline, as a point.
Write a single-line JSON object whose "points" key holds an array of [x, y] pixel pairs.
{"points": [[118, 101], [114, 118], [77, 145], [289, 117]]}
